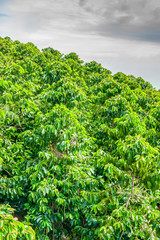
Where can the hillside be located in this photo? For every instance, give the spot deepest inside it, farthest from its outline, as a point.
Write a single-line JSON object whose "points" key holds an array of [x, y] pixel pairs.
{"points": [[79, 149]]}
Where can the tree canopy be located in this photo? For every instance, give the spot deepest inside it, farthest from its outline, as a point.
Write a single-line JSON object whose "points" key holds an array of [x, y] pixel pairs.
{"points": [[79, 149]]}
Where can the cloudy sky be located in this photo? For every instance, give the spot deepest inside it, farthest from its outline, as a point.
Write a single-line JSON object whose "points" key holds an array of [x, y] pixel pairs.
{"points": [[122, 35]]}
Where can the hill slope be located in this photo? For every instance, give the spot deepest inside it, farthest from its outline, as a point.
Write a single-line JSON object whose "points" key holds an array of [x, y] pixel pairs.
{"points": [[79, 149]]}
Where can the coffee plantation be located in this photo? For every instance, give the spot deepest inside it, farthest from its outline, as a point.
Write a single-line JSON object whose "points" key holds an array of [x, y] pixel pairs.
{"points": [[79, 149]]}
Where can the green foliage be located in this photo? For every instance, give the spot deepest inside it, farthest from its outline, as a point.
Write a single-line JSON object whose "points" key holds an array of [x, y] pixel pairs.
{"points": [[11, 228], [79, 149]]}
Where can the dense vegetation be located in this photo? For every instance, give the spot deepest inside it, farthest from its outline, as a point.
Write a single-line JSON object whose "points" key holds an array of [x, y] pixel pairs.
{"points": [[79, 149]]}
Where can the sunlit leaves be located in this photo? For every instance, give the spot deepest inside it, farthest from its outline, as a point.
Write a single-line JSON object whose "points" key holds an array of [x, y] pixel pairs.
{"points": [[11, 228], [79, 155]]}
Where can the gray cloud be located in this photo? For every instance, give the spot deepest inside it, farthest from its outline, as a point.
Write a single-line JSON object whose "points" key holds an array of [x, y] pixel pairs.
{"points": [[131, 19], [82, 2], [46, 13]]}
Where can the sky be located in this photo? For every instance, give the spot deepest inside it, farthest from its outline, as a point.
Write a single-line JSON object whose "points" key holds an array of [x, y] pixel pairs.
{"points": [[122, 35]]}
